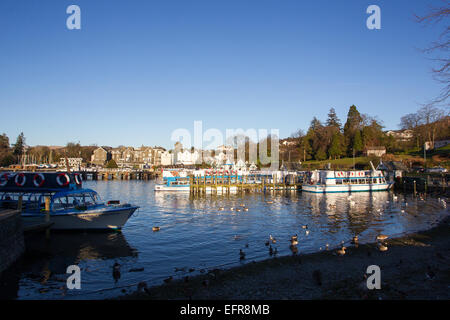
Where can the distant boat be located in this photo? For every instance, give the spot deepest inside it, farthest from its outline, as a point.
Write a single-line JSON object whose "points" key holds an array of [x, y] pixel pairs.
{"points": [[328, 181], [70, 206], [179, 180]]}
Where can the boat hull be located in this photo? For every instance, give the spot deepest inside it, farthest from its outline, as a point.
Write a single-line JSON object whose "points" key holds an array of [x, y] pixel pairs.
{"points": [[112, 219], [320, 188]]}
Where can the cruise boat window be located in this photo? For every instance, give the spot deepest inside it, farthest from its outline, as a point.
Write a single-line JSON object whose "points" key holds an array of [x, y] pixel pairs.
{"points": [[338, 181]]}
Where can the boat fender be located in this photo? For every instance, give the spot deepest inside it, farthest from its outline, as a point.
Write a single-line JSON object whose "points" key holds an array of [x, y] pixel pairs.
{"points": [[38, 179], [23, 180], [3, 179], [60, 183], [78, 178]]}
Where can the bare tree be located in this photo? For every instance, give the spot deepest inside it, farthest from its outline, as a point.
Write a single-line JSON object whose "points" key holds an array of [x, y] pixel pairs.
{"points": [[409, 121], [439, 49]]}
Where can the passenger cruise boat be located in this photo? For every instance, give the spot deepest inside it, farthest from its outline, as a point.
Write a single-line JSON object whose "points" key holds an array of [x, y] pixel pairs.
{"points": [[70, 206], [327, 181]]}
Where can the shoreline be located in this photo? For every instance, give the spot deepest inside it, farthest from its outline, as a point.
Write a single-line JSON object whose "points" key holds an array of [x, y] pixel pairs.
{"points": [[415, 266]]}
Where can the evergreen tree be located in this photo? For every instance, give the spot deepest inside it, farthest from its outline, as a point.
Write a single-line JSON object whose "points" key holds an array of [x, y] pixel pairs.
{"points": [[19, 146], [111, 164], [357, 142], [320, 155], [333, 120], [335, 149], [315, 124], [353, 125]]}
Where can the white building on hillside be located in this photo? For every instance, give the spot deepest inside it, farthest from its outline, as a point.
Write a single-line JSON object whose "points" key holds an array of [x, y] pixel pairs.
{"points": [[167, 158]]}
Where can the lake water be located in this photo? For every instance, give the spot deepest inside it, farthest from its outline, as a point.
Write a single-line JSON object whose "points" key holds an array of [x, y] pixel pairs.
{"points": [[195, 234]]}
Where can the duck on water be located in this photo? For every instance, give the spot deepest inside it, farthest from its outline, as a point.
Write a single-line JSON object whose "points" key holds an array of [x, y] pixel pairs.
{"points": [[70, 206]]}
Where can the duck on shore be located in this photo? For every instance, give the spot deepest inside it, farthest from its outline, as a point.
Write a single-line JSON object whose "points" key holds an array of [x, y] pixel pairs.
{"points": [[341, 251], [294, 240]]}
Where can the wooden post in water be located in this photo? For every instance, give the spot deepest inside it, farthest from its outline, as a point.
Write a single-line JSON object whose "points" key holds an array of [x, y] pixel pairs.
{"points": [[273, 181], [47, 216], [19, 204]]}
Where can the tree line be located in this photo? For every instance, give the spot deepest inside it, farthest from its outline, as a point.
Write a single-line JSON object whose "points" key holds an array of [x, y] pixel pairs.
{"points": [[332, 140], [18, 152]]}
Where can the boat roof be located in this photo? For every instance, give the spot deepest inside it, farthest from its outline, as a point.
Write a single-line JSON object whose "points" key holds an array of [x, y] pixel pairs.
{"points": [[55, 192], [64, 193]]}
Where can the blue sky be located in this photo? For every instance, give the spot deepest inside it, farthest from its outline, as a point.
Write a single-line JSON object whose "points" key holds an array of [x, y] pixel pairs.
{"points": [[137, 70]]}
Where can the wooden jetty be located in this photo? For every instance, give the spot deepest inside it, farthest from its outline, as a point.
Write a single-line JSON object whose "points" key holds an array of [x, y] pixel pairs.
{"points": [[118, 175], [245, 183]]}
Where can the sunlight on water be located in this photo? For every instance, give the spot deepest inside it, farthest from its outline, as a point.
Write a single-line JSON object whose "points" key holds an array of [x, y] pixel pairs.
{"points": [[196, 233]]}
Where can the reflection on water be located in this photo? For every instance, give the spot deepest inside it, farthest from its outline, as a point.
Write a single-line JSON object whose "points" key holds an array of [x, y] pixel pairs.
{"points": [[197, 234]]}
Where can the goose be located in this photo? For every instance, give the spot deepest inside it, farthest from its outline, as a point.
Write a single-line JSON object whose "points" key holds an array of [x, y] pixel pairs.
{"points": [[245, 209], [272, 239], [295, 237], [221, 208], [341, 251], [305, 226], [355, 240], [238, 210], [294, 242], [156, 229], [382, 237], [232, 209], [382, 247], [306, 232], [241, 254]]}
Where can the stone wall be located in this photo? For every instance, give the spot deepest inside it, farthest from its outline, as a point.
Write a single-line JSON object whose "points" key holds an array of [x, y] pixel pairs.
{"points": [[11, 238]]}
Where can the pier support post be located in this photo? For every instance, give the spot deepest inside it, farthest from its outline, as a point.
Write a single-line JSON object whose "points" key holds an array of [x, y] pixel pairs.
{"points": [[47, 216]]}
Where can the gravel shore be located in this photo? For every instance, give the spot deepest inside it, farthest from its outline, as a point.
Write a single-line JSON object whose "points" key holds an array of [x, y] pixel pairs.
{"points": [[416, 266]]}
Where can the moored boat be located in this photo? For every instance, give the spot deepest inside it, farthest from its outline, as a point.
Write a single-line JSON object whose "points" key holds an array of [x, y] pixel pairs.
{"points": [[328, 181], [69, 206]]}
